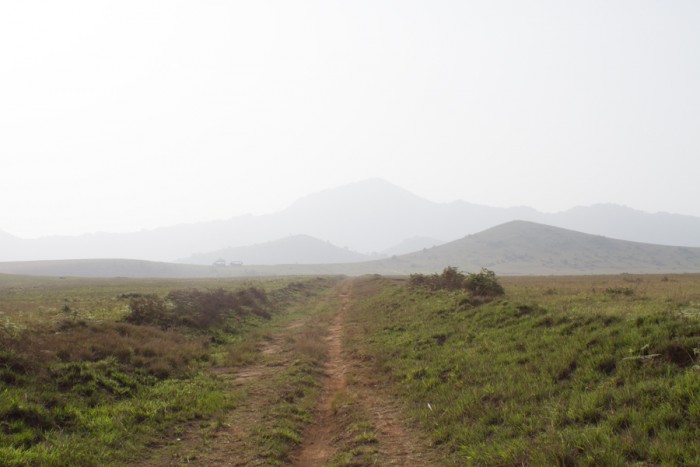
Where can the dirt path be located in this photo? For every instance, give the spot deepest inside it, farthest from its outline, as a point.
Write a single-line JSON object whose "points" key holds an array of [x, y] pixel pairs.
{"points": [[223, 444], [235, 438], [396, 444], [318, 445], [399, 444], [230, 444], [330, 436]]}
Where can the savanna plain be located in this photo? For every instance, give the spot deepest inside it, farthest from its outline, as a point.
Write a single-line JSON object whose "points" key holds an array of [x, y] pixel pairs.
{"points": [[445, 369]]}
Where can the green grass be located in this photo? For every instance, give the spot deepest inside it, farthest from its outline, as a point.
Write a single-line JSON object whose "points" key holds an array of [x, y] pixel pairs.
{"points": [[562, 371], [78, 386], [76, 431], [287, 413], [295, 387], [358, 444]]}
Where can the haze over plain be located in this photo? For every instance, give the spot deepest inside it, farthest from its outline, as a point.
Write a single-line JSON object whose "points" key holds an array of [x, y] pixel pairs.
{"points": [[120, 116]]}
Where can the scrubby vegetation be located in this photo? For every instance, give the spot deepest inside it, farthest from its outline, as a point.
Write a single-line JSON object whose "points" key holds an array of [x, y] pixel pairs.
{"points": [[561, 371], [111, 369], [481, 284], [201, 309], [71, 393]]}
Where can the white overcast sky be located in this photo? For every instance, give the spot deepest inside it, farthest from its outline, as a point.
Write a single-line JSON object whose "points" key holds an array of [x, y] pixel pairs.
{"points": [[123, 115]]}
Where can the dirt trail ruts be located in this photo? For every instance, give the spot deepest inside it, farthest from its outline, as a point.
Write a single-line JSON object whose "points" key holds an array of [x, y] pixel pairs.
{"points": [[397, 442], [398, 445], [228, 443], [224, 445], [318, 446]]}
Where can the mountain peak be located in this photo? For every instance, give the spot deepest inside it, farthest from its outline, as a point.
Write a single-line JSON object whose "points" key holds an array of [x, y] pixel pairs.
{"points": [[365, 193], [523, 229]]}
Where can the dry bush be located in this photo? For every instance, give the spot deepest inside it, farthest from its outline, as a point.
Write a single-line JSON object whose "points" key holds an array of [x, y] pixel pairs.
{"points": [[150, 310], [481, 284], [449, 279], [201, 309], [147, 349]]}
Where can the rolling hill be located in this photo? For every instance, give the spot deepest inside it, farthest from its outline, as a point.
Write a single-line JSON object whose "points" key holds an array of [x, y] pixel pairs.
{"points": [[513, 248], [522, 247], [296, 249]]}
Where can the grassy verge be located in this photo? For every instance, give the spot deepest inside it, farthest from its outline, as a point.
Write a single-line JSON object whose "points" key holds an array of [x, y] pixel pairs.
{"points": [[83, 387], [571, 371]]}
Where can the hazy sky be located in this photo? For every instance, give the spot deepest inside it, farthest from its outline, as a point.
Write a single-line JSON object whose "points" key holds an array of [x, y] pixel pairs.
{"points": [[122, 115]]}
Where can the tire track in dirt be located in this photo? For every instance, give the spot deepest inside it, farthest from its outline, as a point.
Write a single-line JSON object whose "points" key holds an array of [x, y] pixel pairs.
{"points": [[318, 447], [227, 444], [224, 445], [397, 444]]}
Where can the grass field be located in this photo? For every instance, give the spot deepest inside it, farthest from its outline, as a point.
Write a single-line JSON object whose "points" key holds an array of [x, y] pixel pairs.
{"points": [[81, 386], [585, 370], [560, 371]]}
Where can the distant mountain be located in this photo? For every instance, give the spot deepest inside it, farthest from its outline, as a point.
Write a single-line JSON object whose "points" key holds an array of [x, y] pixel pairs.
{"points": [[375, 215], [626, 223], [368, 217], [296, 249], [411, 245], [513, 248], [371, 216]]}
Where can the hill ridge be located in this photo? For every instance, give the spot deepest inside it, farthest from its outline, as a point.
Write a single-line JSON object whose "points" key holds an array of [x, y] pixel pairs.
{"points": [[293, 249], [368, 217], [512, 248]]}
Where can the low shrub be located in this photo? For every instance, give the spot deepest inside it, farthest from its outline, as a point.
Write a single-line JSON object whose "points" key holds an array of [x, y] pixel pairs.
{"points": [[150, 310], [619, 291], [484, 284], [449, 279], [481, 284]]}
